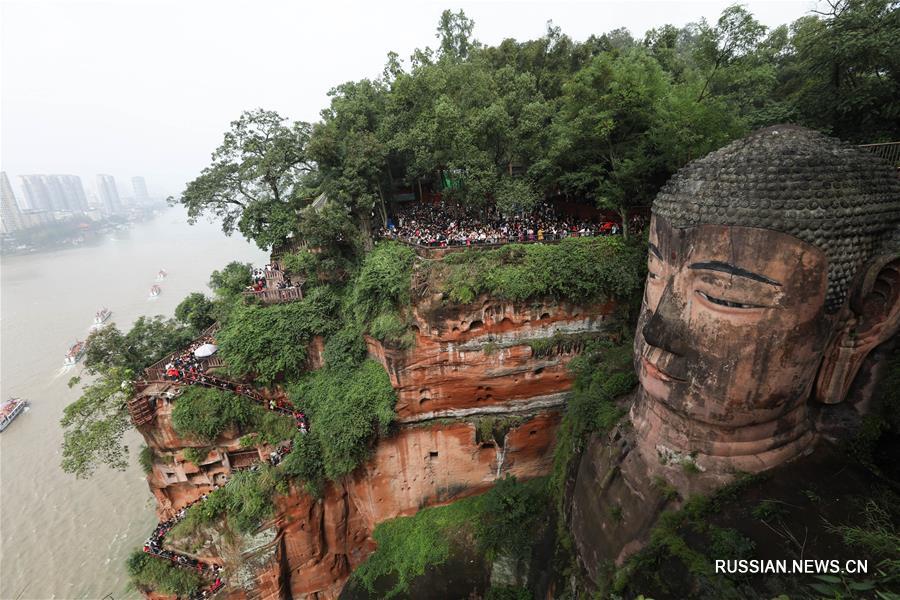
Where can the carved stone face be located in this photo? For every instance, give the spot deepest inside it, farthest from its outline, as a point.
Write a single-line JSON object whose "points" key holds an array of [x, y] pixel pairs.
{"points": [[731, 333]]}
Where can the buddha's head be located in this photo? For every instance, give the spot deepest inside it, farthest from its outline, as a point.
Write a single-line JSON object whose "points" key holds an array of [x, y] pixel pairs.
{"points": [[773, 271]]}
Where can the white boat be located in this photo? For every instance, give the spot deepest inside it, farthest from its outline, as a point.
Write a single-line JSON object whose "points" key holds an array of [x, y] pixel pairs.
{"points": [[11, 409], [161, 275], [155, 291], [102, 315], [76, 351]]}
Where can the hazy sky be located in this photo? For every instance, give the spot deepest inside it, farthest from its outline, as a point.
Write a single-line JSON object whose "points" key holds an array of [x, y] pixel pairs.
{"points": [[132, 87]]}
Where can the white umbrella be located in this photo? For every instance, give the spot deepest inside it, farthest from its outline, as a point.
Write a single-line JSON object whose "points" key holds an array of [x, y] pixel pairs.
{"points": [[205, 350]]}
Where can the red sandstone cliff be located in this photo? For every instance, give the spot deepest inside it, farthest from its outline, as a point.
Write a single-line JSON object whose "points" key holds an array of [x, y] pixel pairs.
{"points": [[466, 363]]}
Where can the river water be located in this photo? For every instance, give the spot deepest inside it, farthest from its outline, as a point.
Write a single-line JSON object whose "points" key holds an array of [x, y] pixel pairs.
{"points": [[61, 537]]}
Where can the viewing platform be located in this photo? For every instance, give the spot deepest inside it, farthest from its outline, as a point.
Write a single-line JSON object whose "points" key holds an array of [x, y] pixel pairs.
{"points": [[157, 371], [276, 295]]}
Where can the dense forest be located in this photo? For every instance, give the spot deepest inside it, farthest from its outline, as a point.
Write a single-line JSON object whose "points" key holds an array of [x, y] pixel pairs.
{"points": [[606, 120]]}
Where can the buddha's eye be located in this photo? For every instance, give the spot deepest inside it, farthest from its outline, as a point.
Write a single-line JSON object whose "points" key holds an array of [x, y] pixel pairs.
{"points": [[728, 303], [652, 275]]}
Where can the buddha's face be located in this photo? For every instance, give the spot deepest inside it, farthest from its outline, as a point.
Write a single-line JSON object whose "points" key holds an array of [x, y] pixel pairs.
{"points": [[732, 327]]}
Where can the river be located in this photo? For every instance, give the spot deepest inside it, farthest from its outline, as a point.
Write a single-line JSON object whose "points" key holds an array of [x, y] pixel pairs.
{"points": [[61, 537]]}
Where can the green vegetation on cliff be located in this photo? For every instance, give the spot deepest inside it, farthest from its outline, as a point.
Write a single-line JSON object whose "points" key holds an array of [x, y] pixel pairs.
{"points": [[268, 342], [205, 413], [381, 291], [603, 372], [162, 576], [503, 520], [575, 270], [245, 503], [349, 408]]}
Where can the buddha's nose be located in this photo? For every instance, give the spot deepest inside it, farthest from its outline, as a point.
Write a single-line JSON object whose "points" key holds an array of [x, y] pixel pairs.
{"points": [[665, 328]]}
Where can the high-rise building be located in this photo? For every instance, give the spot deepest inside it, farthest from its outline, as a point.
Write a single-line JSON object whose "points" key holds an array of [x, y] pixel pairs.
{"points": [[140, 190], [54, 186], [60, 193], [10, 215], [74, 191], [109, 194], [37, 196]]}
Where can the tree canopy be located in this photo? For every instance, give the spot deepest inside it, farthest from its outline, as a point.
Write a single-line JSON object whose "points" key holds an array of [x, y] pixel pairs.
{"points": [[606, 120], [253, 182]]}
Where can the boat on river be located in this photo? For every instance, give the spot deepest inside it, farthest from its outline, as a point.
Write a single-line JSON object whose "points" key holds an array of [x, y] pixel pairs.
{"points": [[101, 316], [11, 409], [76, 351], [155, 291], [161, 275]]}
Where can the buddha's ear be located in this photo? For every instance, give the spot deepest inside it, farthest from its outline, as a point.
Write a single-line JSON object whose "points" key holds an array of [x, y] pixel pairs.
{"points": [[873, 317]]}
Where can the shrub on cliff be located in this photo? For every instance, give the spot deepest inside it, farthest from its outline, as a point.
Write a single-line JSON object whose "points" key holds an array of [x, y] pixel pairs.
{"points": [[162, 576], [576, 269], [407, 546], [347, 408], [305, 463], [345, 349], [603, 372], [509, 517], [271, 341], [205, 413], [246, 502], [381, 290]]}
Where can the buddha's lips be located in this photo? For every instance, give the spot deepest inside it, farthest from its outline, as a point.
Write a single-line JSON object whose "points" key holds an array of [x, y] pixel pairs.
{"points": [[656, 372]]}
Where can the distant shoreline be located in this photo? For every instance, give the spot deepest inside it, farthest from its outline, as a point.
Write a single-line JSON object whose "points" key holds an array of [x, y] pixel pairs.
{"points": [[74, 233]]}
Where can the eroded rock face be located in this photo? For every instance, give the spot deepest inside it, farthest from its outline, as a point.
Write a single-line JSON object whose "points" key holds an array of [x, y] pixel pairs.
{"points": [[421, 466], [477, 359], [467, 363]]}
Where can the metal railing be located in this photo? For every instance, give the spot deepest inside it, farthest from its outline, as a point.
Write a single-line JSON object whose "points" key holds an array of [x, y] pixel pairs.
{"points": [[277, 296], [889, 151]]}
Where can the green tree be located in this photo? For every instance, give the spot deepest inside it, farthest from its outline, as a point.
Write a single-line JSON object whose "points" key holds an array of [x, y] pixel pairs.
{"points": [[601, 148], [351, 153], [455, 33], [254, 184], [149, 340], [847, 78], [150, 573], [232, 280], [95, 423], [196, 310], [268, 342]]}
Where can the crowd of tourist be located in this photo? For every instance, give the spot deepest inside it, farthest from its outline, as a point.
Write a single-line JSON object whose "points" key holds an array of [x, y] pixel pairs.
{"points": [[154, 547], [269, 277], [442, 224], [186, 363]]}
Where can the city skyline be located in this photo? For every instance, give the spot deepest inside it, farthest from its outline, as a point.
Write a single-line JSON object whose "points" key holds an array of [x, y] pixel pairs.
{"points": [[47, 198], [125, 186]]}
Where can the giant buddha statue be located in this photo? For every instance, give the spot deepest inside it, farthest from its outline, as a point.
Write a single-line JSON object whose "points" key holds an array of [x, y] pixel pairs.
{"points": [[773, 273]]}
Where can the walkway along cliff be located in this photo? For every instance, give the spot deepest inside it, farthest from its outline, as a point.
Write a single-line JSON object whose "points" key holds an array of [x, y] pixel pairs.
{"points": [[486, 361]]}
